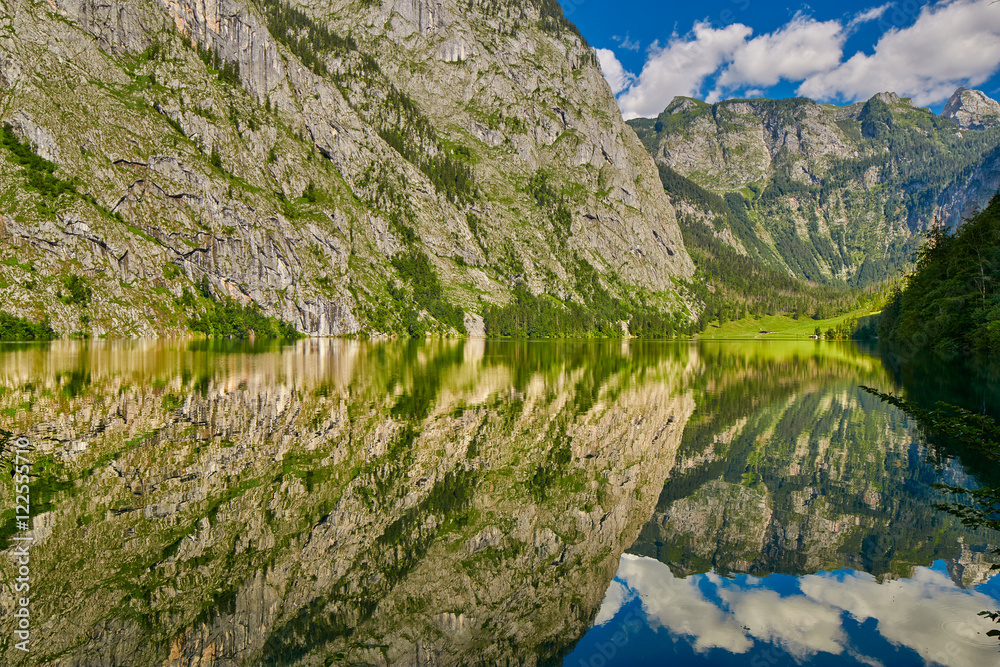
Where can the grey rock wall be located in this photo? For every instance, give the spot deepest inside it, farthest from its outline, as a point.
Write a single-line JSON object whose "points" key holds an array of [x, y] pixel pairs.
{"points": [[972, 109]]}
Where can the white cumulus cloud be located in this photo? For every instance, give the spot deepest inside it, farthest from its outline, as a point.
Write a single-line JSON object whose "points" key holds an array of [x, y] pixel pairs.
{"points": [[799, 625], [873, 14], [681, 67], [951, 44], [678, 605], [617, 77], [799, 49], [926, 613], [615, 597]]}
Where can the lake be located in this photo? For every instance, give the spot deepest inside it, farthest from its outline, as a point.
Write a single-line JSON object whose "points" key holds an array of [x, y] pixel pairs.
{"points": [[486, 503]]}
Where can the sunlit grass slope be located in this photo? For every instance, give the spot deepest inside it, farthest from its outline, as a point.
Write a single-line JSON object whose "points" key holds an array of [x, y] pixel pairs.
{"points": [[779, 326]]}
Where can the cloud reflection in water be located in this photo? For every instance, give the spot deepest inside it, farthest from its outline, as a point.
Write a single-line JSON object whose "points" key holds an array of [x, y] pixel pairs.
{"points": [[926, 617]]}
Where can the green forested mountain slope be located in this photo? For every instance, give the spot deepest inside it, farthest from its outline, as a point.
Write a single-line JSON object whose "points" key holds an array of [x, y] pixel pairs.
{"points": [[394, 166], [738, 275], [829, 194], [951, 301]]}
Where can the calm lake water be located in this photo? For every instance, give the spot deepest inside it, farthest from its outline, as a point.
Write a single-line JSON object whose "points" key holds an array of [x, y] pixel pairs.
{"points": [[487, 503]]}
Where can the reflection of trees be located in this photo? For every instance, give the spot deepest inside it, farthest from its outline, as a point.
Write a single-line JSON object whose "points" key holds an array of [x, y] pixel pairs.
{"points": [[972, 384], [948, 427]]}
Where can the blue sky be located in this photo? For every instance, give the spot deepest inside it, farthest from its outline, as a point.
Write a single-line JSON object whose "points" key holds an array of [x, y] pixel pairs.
{"points": [[834, 52]]}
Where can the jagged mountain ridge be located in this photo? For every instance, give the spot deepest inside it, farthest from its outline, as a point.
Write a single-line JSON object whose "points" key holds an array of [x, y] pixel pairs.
{"points": [[827, 193], [286, 159], [972, 109]]}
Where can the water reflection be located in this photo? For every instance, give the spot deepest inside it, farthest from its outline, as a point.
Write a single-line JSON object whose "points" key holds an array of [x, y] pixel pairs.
{"points": [[375, 503], [844, 617], [468, 502], [788, 468]]}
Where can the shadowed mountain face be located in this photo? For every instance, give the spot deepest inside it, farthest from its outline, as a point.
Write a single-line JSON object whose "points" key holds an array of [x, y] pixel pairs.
{"points": [[446, 503]]}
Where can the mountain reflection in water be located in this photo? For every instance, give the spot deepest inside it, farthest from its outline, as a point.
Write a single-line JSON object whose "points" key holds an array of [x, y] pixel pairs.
{"points": [[799, 529], [470, 502]]}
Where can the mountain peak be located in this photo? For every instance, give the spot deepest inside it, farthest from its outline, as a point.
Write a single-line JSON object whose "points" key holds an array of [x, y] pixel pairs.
{"points": [[890, 98], [972, 109], [681, 103]]}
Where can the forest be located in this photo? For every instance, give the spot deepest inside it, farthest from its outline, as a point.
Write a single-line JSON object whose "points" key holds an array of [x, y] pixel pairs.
{"points": [[227, 318], [596, 314], [416, 270], [950, 302], [13, 328], [733, 285], [38, 172]]}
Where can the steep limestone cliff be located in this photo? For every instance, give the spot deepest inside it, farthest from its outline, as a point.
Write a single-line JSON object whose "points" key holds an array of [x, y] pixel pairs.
{"points": [[286, 154]]}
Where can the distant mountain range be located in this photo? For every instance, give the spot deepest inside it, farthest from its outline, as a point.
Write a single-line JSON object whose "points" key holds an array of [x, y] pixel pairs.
{"points": [[826, 193]]}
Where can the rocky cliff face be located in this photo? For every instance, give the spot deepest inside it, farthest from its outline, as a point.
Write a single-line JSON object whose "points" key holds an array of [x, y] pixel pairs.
{"points": [[972, 109], [370, 503], [732, 144], [825, 192], [960, 201], [285, 155]]}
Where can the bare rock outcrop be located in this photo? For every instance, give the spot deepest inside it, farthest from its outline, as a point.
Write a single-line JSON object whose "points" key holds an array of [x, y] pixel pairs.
{"points": [[972, 109]]}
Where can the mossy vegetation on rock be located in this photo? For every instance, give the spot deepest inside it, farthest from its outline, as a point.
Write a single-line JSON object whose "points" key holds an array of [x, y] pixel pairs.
{"points": [[22, 329], [227, 318]]}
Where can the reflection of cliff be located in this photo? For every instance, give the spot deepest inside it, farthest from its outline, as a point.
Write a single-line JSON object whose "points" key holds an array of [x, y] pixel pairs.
{"points": [[792, 468], [972, 566], [383, 504]]}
